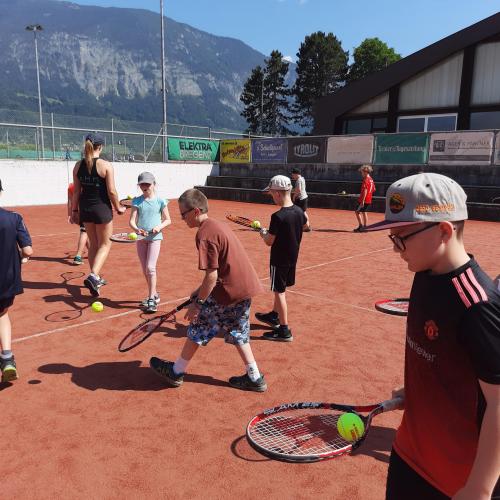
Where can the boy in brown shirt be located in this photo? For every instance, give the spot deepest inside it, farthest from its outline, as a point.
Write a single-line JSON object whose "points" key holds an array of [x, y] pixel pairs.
{"points": [[222, 302]]}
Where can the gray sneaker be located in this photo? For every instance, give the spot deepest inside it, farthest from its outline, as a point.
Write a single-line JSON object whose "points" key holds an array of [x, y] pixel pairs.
{"points": [[165, 369], [151, 306], [144, 303]]}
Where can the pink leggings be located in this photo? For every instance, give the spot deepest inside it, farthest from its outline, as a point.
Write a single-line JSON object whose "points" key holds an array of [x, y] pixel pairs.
{"points": [[148, 252]]}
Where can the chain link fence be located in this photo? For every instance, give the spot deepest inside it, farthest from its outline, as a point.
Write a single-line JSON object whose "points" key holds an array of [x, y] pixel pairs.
{"points": [[22, 137]]}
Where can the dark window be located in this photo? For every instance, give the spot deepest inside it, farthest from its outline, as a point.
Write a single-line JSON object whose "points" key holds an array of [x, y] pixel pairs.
{"points": [[379, 124], [441, 123], [411, 124], [360, 126], [485, 120]]}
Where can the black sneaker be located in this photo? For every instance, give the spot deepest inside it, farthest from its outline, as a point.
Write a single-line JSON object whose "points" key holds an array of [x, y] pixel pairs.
{"points": [[151, 306], [270, 318], [357, 230], [9, 369], [165, 369], [279, 335], [93, 284], [245, 383]]}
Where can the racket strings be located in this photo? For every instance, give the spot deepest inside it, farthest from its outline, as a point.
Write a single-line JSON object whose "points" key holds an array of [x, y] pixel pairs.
{"points": [[304, 435]]}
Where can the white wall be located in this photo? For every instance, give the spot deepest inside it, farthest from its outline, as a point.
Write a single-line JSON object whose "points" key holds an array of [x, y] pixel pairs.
{"points": [[28, 182]]}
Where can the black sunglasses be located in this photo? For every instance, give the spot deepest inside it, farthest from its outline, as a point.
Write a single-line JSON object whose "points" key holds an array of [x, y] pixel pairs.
{"points": [[183, 214], [399, 241]]}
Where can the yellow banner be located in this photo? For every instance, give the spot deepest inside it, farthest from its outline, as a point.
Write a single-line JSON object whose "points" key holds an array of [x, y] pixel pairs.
{"points": [[235, 151]]}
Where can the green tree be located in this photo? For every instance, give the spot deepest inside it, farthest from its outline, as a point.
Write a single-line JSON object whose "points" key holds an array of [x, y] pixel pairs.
{"points": [[253, 98], [265, 97], [322, 67], [370, 56]]}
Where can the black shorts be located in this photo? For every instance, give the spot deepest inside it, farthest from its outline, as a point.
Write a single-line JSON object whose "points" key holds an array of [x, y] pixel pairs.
{"points": [[5, 303], [363, 207], [281, 277], [404, 482], [96, 214], [301, 203]]}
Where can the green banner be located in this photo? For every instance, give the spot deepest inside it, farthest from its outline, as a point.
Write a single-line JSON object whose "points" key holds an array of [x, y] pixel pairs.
{"points": [[193, 150], [400, 149]]}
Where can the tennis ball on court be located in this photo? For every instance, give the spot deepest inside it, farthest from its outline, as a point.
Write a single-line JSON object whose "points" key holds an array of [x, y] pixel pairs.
{"points": [[132, 236], [350, 427], [97, 307], [256, 224], [343, 192]]}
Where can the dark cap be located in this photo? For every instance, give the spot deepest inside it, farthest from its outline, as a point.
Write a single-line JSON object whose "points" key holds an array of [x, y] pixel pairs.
{"points": [[146, 178], [95, 138], [295, 171]]}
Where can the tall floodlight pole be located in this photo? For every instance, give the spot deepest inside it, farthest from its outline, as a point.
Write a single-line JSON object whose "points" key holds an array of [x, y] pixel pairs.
{"points": [[34, 28], [163, 85]]}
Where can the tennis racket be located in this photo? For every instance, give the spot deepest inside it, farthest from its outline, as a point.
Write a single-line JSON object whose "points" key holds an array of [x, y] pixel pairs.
{"points": [[396, 307], [242, 221], [126, 202], [144, 330], [123, 238], [307, 432]]}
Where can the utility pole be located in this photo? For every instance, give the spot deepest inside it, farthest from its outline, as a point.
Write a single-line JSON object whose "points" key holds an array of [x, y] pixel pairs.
{"points": [[163, 86]]}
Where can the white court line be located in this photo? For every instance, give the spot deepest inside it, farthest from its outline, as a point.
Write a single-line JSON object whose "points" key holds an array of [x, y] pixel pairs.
{"points": [[91, 322], [333, 301], [70, 327]]}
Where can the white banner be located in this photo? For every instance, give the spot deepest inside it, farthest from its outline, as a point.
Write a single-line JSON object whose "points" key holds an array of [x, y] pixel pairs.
{"points": [[497, 150], [461, 148], [355, 150]]}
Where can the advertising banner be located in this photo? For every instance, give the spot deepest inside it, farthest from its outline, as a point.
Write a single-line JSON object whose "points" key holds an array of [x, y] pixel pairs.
{"points": [[306, 150], [235, 151], [269, 150], [353, 150], [457, 148], [193, 150], [401, 149], [497, 150]]}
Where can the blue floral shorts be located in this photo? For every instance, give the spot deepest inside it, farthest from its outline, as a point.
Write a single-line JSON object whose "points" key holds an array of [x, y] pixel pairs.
{"points": [[233, 320]]}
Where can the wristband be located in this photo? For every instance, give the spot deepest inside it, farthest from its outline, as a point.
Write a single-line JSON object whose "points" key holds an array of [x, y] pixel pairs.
{"points": [[199, 302], [263, 232]]}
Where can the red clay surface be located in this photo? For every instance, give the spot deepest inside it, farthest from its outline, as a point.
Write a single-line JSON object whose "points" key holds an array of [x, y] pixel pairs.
{"points": [[88, 422]]}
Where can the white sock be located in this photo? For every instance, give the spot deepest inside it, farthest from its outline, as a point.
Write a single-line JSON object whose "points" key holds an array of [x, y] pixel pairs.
{"points": [[6, 355], [253, 372], [180, 365]]}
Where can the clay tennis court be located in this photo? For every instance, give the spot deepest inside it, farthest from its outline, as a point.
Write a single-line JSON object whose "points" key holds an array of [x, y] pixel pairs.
{"points": [[86, 421]]}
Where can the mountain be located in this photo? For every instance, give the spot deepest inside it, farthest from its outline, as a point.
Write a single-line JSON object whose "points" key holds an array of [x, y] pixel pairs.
{"points": [[105, 62]]}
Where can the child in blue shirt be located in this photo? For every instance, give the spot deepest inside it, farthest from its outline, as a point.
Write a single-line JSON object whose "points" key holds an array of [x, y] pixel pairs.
{"points": [[148, 217]]}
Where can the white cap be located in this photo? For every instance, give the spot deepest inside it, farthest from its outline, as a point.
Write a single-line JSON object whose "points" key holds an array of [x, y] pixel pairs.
{"points": [[423, 197], [279, 183]]}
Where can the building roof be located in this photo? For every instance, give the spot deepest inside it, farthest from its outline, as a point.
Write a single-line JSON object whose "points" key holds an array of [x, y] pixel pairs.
{"points": [[360, 91]]}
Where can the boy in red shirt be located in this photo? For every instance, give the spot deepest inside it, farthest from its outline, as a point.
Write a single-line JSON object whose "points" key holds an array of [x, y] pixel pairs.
{"points": [[365, 197]]}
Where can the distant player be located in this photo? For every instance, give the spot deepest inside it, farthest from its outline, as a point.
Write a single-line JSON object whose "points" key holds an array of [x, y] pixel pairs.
{"points": [[365, 197], [15, 243], [284, 237], [299, 195], [222, 300]]}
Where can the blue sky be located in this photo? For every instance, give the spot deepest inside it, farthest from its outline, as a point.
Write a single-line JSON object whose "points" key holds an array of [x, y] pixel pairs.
{"points": [[265, 25]]}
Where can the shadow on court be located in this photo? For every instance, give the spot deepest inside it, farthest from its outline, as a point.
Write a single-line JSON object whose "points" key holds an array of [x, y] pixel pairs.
{"points": [[240, 448], [332, 230], [61, 260], [120, 376]]}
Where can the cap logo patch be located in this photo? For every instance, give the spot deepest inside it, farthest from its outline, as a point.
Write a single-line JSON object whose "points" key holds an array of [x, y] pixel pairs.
{"points": [[396, 203]]}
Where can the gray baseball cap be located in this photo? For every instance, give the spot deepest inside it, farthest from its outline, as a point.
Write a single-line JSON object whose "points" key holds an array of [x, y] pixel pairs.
{"points": [[146, 178], [425, 197], [279, 183]]}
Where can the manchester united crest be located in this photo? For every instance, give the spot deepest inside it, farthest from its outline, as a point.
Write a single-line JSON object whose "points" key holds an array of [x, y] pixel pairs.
{"points": [[431, 330]]}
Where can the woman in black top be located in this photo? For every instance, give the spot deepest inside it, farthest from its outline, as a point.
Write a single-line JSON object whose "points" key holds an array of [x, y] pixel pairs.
{"points": [[93, 197]]}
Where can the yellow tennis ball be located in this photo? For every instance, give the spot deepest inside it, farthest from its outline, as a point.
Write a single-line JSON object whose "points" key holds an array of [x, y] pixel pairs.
{"points": [[130, 197], [350, 427], [97, 307], [132, 236], [256, 224]]}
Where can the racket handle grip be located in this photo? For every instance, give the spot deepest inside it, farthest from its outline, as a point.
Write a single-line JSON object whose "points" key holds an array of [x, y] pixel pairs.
{"points": [[393, 404]]}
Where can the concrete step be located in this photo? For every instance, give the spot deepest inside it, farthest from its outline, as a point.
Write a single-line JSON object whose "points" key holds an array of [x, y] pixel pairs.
{"points": [[477, 211]]}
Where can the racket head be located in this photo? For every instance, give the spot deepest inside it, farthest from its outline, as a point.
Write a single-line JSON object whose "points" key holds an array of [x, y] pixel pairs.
{"points": [[123, 238], [145, 329], [126, 202], [301, 432], [396, 307], [242, 221]]}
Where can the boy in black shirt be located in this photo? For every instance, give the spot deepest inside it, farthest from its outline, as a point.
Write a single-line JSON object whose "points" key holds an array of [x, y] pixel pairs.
{"points": [[15, 244], [284, 237]]}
